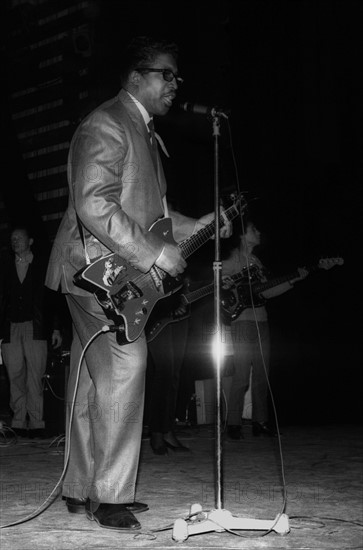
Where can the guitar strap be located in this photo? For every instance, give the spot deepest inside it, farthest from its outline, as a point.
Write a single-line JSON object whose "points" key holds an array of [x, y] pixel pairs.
{"points": [[81, 233], [157, 138], [166, 211]]}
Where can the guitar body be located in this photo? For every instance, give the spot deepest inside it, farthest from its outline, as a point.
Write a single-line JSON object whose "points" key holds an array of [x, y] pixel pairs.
{"points": [[237, 298], [164, 313], [127, 295]]}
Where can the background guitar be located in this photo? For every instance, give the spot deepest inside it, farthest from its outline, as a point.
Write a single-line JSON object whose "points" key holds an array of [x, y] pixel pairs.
{"points": [[233, 300], [166, 311], [247, 287]]}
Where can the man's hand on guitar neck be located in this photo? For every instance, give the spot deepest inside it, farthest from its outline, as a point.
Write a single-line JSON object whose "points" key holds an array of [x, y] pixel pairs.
{"points": [[302, 274], [225, 230], [171, 260], [227, 282]]}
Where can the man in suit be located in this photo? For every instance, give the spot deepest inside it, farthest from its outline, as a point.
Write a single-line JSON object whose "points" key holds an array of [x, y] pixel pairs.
{"points": [[28, 321], [117, 191]]}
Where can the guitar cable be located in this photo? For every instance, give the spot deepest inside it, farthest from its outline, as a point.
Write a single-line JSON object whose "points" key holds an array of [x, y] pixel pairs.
{"points": [[54, 494]]}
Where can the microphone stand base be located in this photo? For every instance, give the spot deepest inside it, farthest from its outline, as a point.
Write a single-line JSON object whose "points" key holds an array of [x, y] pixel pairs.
{"points": [[220, 520]]}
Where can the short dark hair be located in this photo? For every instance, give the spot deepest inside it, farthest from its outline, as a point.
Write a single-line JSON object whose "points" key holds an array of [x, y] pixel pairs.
{"points": [[142, 50], [21, 227]]}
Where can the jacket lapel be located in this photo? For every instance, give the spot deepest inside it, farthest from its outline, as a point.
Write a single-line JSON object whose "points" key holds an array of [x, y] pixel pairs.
{"points": [[140, 125]]}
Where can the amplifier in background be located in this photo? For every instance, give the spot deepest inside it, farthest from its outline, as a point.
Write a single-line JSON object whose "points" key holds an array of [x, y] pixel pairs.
{"points": [[206, 398]]}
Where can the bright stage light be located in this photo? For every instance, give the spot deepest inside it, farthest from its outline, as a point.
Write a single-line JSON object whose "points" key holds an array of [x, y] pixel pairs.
{"points": [[218, 346]]}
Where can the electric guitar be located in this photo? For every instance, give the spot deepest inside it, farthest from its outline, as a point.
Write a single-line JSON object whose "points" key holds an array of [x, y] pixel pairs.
{"points": [[168, 311], [248, 286], [233, 300], [127, 295]]}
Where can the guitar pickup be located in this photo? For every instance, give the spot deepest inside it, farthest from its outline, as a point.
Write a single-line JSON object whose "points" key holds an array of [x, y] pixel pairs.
{"points": [[128, 292], [157, 275]]}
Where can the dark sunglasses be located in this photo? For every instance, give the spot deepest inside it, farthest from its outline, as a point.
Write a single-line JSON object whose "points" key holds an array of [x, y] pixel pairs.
{"points": [[168, 75]]}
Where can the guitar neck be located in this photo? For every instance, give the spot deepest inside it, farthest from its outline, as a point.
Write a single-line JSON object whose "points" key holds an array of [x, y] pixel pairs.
{"points": [[261, 286], [188, 246], [195, 295]]}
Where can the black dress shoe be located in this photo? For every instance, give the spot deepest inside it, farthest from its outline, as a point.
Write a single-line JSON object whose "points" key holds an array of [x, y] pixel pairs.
{"points": [[78, 506], [112, 516], [158, 444], [263, 428], [158, 449], [179, 448], [235, 432], [136, 507]]}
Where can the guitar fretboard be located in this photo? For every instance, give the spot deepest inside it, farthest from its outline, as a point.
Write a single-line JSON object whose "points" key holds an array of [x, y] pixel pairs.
{"points": [[190, 245], [195, 295], [261, 286]]}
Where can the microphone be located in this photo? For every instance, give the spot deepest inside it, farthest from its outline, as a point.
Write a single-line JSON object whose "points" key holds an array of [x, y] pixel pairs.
{"points": [[204, 109]]}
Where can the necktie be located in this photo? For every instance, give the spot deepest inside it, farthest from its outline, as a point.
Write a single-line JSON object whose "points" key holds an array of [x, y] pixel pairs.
{"points": [[154, 148], [155, 138], [151, 130]]}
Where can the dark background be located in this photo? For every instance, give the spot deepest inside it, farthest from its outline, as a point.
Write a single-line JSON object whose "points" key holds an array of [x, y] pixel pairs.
{"points": [[290, 71]]}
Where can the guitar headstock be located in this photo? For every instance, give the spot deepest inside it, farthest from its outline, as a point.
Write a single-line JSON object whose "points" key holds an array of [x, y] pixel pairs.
{"points": [[238, 201], [328, 263]]}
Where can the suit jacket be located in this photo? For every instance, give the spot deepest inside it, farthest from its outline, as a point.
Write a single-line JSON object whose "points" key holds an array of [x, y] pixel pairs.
{"points": [[44, 304], [116, 188]]}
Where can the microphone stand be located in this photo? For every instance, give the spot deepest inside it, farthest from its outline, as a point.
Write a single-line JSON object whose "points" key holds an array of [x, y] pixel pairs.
{"points": [[218, 355], [219, 519]]}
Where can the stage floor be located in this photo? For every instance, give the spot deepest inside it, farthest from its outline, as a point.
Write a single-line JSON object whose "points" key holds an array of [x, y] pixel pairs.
{"points": [[322, 469]]}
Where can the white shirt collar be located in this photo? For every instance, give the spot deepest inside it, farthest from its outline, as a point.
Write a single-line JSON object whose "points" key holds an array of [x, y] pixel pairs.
{"points": [[143, 111], [147, 118]]}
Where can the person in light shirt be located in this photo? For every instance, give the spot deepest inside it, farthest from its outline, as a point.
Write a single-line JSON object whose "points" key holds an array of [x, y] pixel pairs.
{"points": [[251, 337]]}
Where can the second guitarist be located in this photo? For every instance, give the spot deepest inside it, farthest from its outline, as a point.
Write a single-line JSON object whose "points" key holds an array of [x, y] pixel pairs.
{"points": [[248, 330]]}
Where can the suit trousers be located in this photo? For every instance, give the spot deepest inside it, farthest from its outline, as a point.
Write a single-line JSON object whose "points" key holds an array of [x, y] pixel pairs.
{"points": [[25, 360], [248, 343], [105, 402]]}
